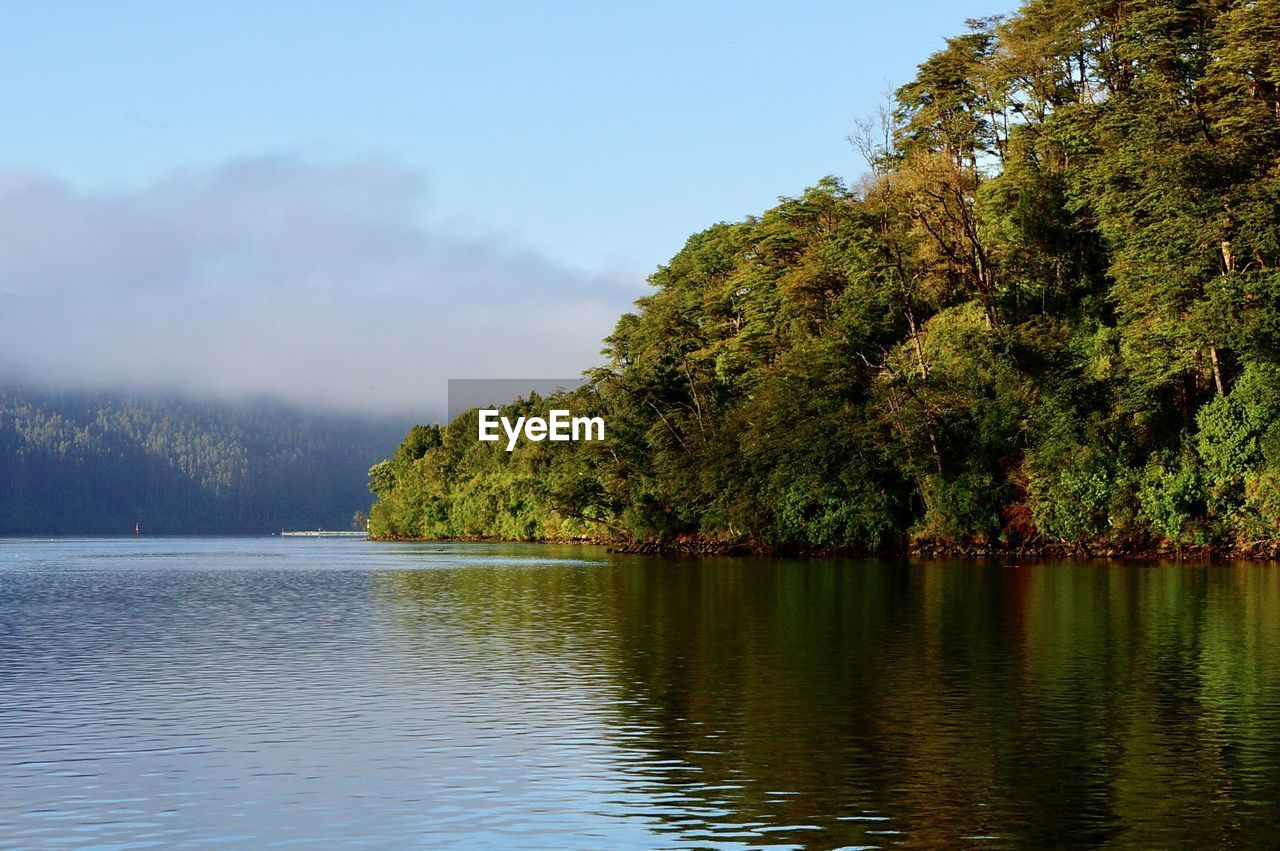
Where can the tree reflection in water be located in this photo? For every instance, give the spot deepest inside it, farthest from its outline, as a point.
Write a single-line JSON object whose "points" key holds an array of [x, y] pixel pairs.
{"points": [[871, 703]]}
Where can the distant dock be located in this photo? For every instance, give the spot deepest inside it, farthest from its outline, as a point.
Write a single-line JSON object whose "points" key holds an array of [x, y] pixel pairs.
{"points": [[320, 533]]}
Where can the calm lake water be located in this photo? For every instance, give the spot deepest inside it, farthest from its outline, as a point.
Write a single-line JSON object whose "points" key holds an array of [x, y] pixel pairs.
{"points": [[268, 691]]}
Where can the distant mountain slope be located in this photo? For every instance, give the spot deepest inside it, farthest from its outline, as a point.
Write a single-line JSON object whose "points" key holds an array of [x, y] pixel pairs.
{"points": [[79, 463]]}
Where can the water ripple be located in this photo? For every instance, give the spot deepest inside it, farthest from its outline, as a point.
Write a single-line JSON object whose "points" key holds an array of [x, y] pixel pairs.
{"points": [[259, 692]]}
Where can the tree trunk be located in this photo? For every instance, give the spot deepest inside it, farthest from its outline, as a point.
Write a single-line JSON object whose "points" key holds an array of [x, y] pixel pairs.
{"points": [[1217, 369], [915, 344]]}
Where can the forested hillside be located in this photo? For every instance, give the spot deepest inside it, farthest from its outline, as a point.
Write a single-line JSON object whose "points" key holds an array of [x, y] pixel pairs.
{"points": [[1049, 314], [99, 463]]}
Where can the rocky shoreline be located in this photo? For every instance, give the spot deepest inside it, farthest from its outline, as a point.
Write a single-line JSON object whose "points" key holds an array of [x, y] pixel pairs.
{"points": [[942, 549]]}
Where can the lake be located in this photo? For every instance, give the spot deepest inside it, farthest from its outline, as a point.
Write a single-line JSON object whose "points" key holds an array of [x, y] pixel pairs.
{"points": [[159, 692]]}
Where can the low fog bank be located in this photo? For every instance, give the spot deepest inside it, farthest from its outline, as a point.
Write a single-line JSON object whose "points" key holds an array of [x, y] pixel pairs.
{"points": [[19, 391], [281, 277]]}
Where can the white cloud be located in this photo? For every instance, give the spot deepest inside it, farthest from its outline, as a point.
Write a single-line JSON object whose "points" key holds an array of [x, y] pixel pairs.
{"points": [[280, 276]]}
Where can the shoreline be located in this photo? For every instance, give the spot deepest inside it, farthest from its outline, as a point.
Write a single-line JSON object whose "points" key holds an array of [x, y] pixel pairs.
{"points": [[749, 547]]}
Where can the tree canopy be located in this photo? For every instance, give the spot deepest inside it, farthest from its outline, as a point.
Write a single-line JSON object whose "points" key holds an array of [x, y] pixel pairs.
{"points": [[1049, 313]]}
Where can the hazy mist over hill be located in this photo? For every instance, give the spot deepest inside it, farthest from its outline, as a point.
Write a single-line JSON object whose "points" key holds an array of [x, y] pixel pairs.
{"points": [[284, 277]]}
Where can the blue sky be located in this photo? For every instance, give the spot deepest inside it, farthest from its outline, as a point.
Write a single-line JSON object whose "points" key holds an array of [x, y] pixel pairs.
{"points": [[284, 199], [599, 133]]}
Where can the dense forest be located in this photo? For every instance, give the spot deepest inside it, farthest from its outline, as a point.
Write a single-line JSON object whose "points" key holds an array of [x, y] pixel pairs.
{"points": [[1048, 315], [75, 463]]}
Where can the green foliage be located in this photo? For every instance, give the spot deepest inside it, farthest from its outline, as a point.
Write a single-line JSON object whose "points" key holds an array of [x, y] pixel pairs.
{"points": [[1172, 497], [958, 507], [1071, 489], [1052, 313], [1237, 442]]}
